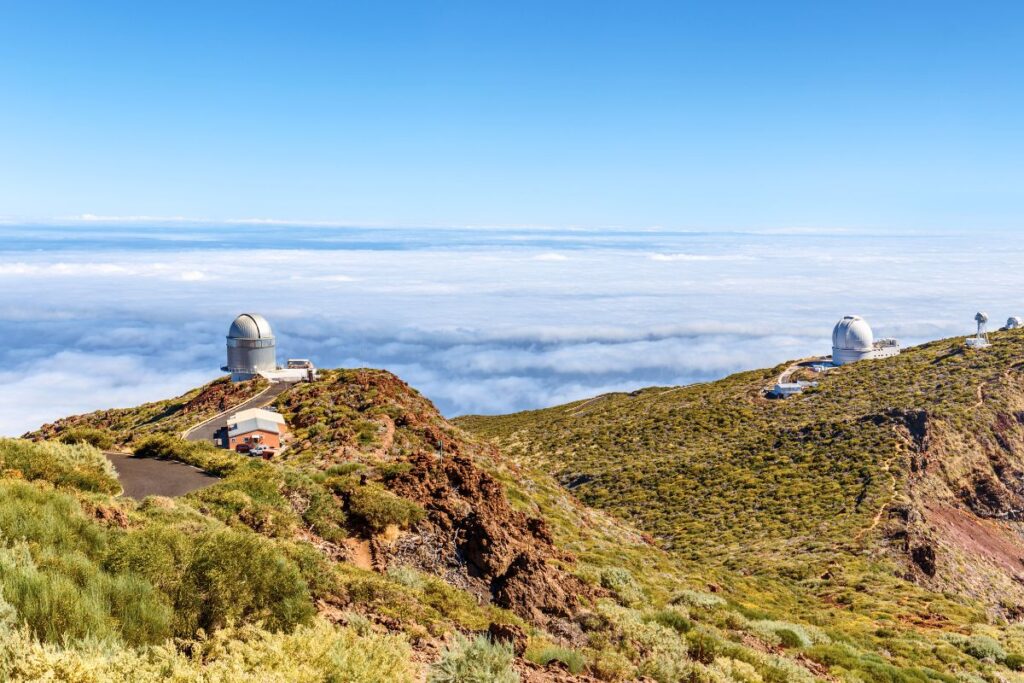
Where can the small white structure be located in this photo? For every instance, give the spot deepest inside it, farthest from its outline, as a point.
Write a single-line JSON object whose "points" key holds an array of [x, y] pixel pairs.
{"points": [[980, 339], [1013, 323], [853, 340], [787, 389]]}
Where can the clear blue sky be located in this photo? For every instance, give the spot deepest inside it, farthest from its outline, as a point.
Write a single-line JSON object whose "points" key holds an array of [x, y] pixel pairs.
{"points": [[682, 115]]}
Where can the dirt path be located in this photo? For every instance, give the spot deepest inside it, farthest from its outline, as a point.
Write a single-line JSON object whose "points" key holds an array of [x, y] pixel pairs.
{"points": [[887, 468], [359, 553]]}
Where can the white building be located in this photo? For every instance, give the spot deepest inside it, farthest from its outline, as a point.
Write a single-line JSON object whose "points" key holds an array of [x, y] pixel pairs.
{"points": [[252, 352], [251, 347], [853, 340]]}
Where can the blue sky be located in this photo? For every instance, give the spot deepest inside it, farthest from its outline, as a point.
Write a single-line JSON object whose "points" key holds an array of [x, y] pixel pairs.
{"points": [[880, 115], [672, 191]]}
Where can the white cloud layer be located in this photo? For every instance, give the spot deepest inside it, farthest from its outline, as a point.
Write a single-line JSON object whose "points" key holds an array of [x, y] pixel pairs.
{"points": [[114, 315]]}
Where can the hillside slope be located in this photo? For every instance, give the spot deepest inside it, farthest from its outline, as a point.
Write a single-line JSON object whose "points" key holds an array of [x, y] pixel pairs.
{"points": [[895, 488], [388, 529]]}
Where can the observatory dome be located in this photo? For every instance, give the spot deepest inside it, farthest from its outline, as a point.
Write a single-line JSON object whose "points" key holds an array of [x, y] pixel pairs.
{"points": [[251, 347], [251, 326], [853, 340], [853, 333], [1014, 322]]}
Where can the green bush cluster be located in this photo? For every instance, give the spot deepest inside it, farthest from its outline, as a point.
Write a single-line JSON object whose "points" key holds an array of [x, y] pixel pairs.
{"points": [[98, 438], [79, 466], [203, 455], [378, 508], [479, 660]]}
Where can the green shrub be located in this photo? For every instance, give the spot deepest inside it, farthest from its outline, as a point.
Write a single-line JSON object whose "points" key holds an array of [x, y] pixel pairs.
{"points": [[622, 583], [240, 577], [98, 438], [205, 456], [480, 660], [980, 647], [378, 508], [80, 466], [674, 619], [60, 589], [1014, 662], [697, 599], [574, 661]]}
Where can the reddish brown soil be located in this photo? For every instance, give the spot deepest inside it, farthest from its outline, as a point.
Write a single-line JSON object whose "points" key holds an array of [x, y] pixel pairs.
{"points": [[980, 538], [500, 549]]}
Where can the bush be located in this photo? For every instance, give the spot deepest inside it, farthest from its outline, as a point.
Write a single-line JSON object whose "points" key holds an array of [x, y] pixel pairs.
{"points": [[980, 647], [80, 466], [674, 619], [622, 583], [1014, 662], [378, 508], [240, 577], [205, 456], [98, 438], [697, 599], [311, 654], [574, 661], [474, 661]]}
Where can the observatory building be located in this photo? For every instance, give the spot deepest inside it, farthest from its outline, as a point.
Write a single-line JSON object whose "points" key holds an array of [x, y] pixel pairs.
{"points": [[1013, 323], [252, 352], [251, 347], [853, 340]]}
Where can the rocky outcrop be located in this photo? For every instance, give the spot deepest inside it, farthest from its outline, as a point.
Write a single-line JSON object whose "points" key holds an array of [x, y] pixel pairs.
{"points": [[507, 554]]}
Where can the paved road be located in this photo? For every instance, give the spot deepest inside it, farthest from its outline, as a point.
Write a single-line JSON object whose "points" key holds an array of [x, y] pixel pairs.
{"points": [[208, 431], [141, 477]]}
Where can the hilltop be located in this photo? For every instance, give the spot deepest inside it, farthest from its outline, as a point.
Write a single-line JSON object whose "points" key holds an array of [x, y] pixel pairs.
{"points": [[688, 534]]}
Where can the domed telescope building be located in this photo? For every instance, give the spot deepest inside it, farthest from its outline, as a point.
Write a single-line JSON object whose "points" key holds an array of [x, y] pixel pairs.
{"points": [[252, 349], [853, 340]]}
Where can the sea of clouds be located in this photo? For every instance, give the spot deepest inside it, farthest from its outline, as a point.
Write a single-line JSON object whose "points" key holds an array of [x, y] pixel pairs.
{"points": [[480, 320]]}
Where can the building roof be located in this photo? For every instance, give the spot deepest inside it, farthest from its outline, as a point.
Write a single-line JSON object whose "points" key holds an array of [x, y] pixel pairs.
{"points": [[261, 413], [250, 326], [853, 333], [254, 424]]}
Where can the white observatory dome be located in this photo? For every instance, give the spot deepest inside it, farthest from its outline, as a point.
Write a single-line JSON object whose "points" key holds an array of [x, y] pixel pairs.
{"points": [[852, 340], [853, 333], [251, 347], [1013, 323], [250, 326]]}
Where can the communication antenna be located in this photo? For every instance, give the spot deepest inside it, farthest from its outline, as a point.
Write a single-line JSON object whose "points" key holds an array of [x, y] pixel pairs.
{"points": [[980, 340]]}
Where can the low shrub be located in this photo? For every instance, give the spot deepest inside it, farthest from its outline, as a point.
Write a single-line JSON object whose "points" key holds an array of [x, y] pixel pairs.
{"points": [[574, 661], [480, 660], [697, 599], [98, 438], [378, 508], [239, 577], [80, 465], [623, 584], [205, 456], [674, 619]]}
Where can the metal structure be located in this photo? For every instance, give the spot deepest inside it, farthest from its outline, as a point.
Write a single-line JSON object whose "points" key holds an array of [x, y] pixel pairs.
{"points": [[980, 340], [853, 340], [1013, 323], [251, 347]]}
